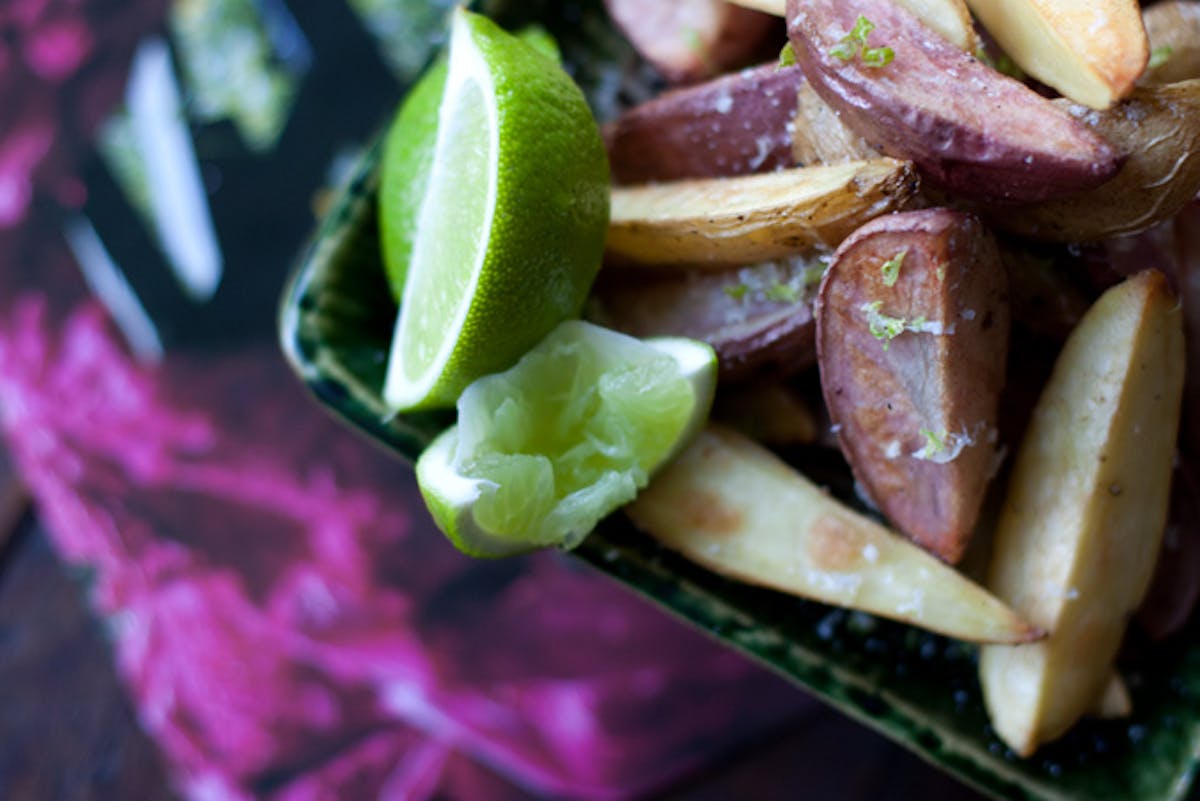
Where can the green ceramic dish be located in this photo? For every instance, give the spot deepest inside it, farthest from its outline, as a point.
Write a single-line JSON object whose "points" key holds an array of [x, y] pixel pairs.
{"points": [[919, 689]]}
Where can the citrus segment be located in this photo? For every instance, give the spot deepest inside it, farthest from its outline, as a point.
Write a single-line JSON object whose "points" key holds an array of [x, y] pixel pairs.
{"points": [[501, 225]]}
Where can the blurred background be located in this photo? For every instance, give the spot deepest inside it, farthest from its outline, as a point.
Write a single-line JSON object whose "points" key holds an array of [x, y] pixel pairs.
{"points": [[208, 590]]}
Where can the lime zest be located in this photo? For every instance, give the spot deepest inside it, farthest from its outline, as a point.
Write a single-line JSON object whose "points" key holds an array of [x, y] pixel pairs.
{"points": [[737, 291], [855, 44], [1159, 56], [787, 57], [891, 268]]}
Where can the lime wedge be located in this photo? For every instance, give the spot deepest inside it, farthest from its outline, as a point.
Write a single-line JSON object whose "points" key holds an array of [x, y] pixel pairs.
{"points": [[494, 211], [545, 450]]}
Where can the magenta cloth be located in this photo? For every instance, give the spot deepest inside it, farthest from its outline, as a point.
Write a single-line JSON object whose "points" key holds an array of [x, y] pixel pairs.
{"points": [[287, 621]]}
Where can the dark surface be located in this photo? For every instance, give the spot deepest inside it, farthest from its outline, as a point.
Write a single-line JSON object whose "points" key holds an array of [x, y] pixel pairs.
{"points": [[68, 732]]}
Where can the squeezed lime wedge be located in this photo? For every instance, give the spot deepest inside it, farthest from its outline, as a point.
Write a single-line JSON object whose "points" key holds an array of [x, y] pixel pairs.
{"points": [[545, 450]]}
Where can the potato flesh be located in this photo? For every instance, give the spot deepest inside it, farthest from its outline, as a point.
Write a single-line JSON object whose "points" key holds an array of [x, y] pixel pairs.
{"points": [[950, 18], [729, 222], [1085, 510], [1092, 51], [729, 504]]}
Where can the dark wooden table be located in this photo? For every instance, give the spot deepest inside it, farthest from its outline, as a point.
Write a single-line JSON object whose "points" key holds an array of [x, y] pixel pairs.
{"points": [[68, 731]]}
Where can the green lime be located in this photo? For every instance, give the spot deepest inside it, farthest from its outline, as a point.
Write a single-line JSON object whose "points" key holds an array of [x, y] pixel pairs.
{"points": [[546, 449], [494, 209]]}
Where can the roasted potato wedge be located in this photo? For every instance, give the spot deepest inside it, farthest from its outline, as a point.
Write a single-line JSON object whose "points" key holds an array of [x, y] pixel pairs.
{"points": [[1173, 28], [758, 319], [818, 135], [912, 338], [949, 18], [979, 134], [1085, 509], [734, 125], [729, 222], [690, 40], [1092, 52], [727, 503], [1159, 127]]}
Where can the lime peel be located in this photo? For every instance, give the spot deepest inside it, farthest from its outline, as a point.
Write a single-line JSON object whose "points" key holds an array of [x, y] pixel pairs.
{"points": [[508, 230], [572, 432]]}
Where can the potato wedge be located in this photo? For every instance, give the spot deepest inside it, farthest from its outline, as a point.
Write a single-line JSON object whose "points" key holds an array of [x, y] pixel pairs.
{"points": [[729, 504], [1159, 127], [690, 40], [968, 128], [728, 222], [820, 137], [1173, 28], [1084, 513], [734, 125], [1092, 51], [949, 18], [912, 340], [758, 319]]}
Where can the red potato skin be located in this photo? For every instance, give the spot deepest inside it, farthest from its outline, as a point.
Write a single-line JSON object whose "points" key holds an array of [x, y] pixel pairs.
{"points": [[753, 336], [734, 125], [880, 399], [691, 40], [968, 128]]}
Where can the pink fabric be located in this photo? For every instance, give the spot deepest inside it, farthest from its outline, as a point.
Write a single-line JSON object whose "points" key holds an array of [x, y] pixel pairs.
{"points": [[285, 617], [277, 593]]}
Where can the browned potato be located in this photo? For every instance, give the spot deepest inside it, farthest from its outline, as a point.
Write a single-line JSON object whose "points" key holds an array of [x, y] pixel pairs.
{"points": [[1174, 31], [729, 222], [734, 125], [758, 319], [912, 336], [1085, 509], [690, 40], [968, 128], [1159, 127], [1091, 52], [731, 505]]}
